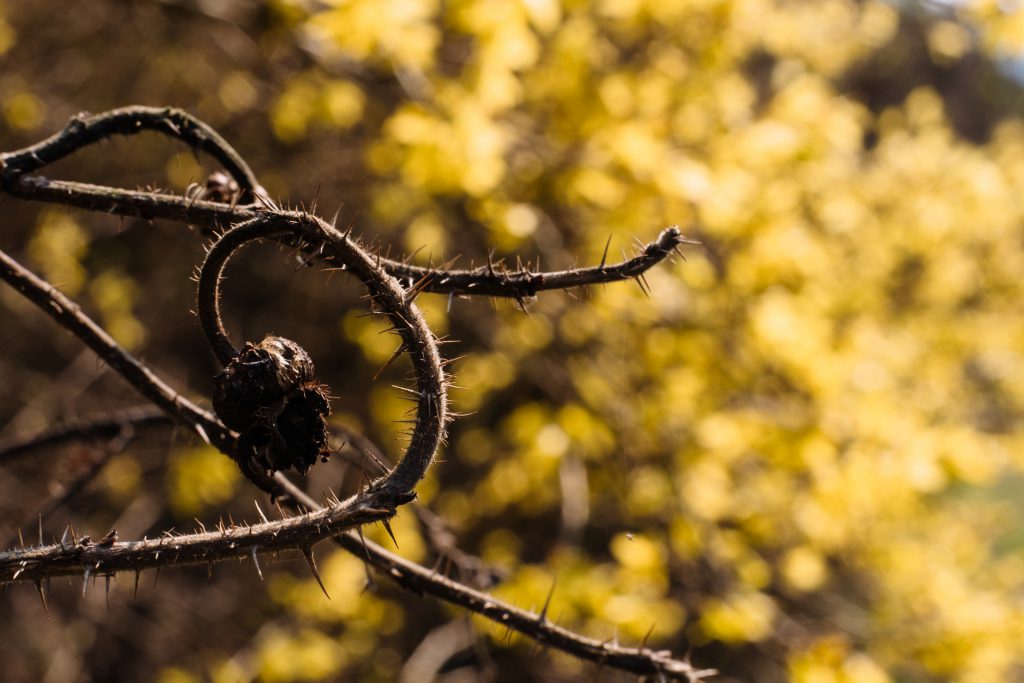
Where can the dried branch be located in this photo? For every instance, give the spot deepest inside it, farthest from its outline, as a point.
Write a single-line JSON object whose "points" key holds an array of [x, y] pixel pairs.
{"points": [[67, 490], [392, 287], [123, 202], [69, 316], [496, 280], [104, 427], [493, 280], [412, 577], [235, 542], [84, 130]]}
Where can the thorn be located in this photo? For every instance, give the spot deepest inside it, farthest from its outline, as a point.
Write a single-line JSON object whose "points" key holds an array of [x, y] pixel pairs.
{"points": [[42, 596], [643, 643], [257, 563], [387, 527], [262, 516], [135, 591], [156, 575], [451, 297], [604, 256], [408, 259], [396, 354], [640, 283], [107, 590], [85, 578], [311, 561], [40, 528], [643, 277], [542, 617], [366, 550], [21, 539], [64, 536]]}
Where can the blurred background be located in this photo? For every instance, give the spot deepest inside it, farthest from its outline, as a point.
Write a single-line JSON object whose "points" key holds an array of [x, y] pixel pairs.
{"points": [[798, 459]]}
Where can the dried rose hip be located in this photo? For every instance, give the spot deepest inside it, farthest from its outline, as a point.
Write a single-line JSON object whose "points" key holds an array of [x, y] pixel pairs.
{"points": [[269, 394]]}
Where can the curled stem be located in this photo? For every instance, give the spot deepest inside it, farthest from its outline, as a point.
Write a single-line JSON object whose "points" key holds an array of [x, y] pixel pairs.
{"points": [[385, 293]]}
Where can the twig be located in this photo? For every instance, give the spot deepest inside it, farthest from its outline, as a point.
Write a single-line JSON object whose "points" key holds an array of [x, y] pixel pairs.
{"points": [[411, 576], [493, 282], [69, 316], [236, 542], [100, 427], [84, 130]]}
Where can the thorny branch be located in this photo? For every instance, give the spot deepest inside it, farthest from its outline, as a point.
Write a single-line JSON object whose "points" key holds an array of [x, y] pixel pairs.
{"points": [[413, 577], [493, 279], [386, 293], [84, 130], [392, 286]]}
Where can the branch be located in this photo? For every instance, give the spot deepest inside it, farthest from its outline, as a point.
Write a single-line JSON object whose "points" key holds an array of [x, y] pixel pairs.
{"points": [[101, 427], [84, 130], [496, 280], [69, 316], [235, 542], [492, 280], [412, 577]]}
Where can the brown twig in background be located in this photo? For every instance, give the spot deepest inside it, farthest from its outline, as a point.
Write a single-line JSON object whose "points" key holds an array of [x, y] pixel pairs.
{"points": [[69, 316], [470, 569], [106, 426], [116, 443]]}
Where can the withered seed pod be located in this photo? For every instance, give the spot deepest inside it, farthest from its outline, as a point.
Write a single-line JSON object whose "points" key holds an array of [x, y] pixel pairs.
{"points": [[269, 394]]}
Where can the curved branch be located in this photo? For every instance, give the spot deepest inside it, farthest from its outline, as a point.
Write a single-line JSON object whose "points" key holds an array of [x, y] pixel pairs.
{"points": [[84, 130], [386, 294]]}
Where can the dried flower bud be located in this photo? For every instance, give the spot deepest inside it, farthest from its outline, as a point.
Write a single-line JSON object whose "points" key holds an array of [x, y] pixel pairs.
{"points": [[219, 187], [270, 395]]}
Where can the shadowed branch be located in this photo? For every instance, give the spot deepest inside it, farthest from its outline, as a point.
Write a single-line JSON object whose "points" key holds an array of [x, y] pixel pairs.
{"points": [[84, 130]]}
